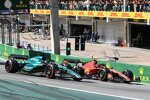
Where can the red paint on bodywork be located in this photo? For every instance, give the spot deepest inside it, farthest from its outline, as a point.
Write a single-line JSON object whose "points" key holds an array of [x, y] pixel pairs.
{"points": [[121, 75], [91, 67]]}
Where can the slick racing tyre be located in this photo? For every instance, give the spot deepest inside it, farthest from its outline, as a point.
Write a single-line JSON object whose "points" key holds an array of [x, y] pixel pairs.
{"points": [[12, 66], [102, 74], [50, 71], [80, 71], [129, 74], [77, 79]]}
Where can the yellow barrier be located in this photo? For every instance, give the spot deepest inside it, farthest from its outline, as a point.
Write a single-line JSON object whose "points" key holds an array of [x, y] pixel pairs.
{"points": [[131, 15], [42, 12]]}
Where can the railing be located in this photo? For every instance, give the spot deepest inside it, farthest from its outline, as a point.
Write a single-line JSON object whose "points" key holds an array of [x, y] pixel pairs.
{"points": [[24, 44], [36, 47]]}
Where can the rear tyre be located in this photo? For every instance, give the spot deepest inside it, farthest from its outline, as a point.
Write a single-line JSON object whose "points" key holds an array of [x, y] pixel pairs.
{"points": [[88, 75], [50, 71], [129, 74], [102, 74], [12, 66]]}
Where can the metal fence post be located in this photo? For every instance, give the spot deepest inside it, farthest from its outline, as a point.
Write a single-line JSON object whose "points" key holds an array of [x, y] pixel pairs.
{"points": [[38, 47], [43, 48], [47, 49]]}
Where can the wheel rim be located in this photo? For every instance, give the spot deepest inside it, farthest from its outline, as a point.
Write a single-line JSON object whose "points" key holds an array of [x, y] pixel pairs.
{"points": [[125, 73], [128, 74], [101, 74], [48, 72], [7, 66]]}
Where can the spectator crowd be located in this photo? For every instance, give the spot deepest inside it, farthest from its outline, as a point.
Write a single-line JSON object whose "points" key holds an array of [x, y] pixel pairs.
{"points": [[96, 5]]}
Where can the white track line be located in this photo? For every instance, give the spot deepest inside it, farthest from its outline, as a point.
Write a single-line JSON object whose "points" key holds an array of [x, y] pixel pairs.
{"points": [[84, 91], [30, 82], [79, 89]]}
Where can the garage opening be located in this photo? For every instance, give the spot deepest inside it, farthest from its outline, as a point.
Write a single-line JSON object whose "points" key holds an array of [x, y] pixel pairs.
{"points": [[77, 30], [144, 30]]}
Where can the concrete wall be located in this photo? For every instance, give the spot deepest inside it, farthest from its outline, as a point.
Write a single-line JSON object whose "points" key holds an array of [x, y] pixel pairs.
{"points": [[110, 31]]}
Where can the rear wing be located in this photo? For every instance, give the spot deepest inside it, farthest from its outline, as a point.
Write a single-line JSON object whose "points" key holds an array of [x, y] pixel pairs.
{"points": [[113, 59], [15, 56], [73, 60]]}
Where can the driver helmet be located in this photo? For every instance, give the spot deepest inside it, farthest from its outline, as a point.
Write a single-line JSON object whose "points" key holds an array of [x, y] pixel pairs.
{"points": [[95, 62], [65, 62], [43, 57]]}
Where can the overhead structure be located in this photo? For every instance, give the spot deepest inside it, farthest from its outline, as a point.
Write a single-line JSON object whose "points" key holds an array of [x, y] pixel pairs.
{"points": [[54, 28]]}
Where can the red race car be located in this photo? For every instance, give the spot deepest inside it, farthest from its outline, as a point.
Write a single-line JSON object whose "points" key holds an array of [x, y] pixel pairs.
{"points": [[101, 72]]}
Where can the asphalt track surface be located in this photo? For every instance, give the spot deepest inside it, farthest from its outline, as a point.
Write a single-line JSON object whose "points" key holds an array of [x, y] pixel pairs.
{"points": [[40, 88]]}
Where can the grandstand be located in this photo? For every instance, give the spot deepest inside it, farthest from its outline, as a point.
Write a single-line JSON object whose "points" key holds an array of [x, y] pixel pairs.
{"points": [[109, 20]]}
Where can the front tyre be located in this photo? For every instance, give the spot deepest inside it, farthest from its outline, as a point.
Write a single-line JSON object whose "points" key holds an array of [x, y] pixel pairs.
{"points": [[77, 79], [102, 74], [12, 66], [80, 71], [50, 72], [129, 74]]}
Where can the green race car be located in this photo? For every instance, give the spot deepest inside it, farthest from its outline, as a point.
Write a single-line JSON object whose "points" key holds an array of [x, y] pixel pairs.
{"points": [[39, 64]]}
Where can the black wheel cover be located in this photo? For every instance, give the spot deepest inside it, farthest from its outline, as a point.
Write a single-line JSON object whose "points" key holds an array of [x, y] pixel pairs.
{"points": [[102, 74], [50, 72]]}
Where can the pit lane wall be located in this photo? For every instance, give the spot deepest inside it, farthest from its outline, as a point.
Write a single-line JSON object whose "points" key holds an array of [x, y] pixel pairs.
{"points": [[142, 71], [6, 50]]}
